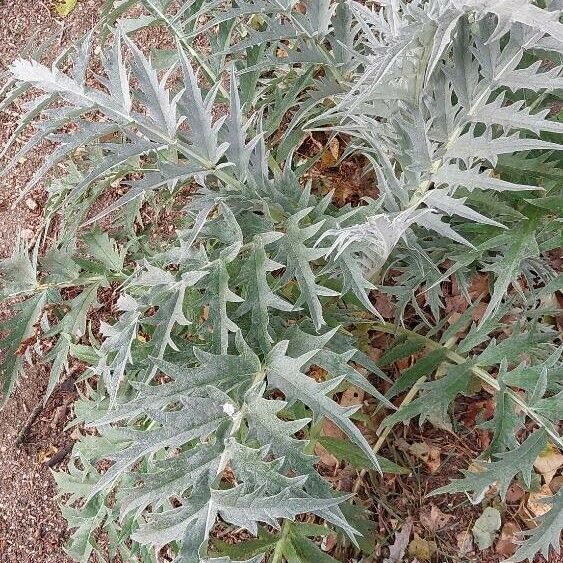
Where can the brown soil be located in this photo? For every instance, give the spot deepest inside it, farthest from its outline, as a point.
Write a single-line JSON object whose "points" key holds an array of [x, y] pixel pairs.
{"points": [[32, 529]]}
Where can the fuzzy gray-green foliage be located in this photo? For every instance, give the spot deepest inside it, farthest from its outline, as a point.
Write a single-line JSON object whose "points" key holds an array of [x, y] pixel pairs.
{"points": [[449, 103]]}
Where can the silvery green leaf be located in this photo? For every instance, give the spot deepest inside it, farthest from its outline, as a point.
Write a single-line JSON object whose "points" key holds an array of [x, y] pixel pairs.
{"points": [[296, 256], [439, 199], [115, 351], [152, 92], [197, 418], [256, 559], [245, 508], [523, 245], [469, 147], [375, 238], [501, 470], [257, 295], [105, 250], [169, 315], [218, 296], [18, 273], [268, 429], [116, 156], [238, 151], [169, 477], [284, 373], [473, 179], [517, 116], [250, 466], [545, 535], [512, 11], [18, 329], [433, 221], [223, 371], [198, 114], [168, 175], [435, 400]]}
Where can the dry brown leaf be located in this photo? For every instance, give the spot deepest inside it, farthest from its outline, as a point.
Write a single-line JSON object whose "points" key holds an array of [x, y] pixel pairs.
{"points": [[464, 542], [385, 307], [325, 457], [456, 303], [398, 548], [482, 409], [330, 155], [507, 543], [45, 455], [329, 542], [479, 311], [514, 494], [479, 285], [433, 519], [428, 453], [556, 484], [352, 396], [534, 505], [422, 549], [548, 463]]}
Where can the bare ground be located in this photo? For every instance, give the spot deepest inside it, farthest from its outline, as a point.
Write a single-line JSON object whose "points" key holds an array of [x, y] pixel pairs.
{"points": [[32, 529]]}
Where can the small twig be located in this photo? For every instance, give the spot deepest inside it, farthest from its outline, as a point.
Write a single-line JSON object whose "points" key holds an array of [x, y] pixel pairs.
{"points": [[20, 438], [60, 455], [408, 398], [63, 386]]}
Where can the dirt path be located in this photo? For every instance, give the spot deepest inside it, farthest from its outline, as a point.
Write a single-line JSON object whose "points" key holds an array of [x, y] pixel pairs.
{"points": [[31, 527]]}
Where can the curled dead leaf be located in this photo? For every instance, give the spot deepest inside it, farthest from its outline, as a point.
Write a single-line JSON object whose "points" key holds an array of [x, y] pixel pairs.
{"points": [[45, 455], [549, 462], [428, 453], [433, 519], [398, 548], [535, 504], [422, 549], [464, 542], [330, 155], [508, 541], [352, 396]]}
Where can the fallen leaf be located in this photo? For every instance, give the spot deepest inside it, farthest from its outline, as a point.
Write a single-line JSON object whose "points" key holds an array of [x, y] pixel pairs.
{"points": [[428, 453], [548, 463], [514, 494], [330, 430], [556, 484], [325, 457], [507, 543], [478, 409], [432, 518], [535, 504], [464, 542], [328, 543], [45, 455], [455, 303], [422, 549], [485, 527], [397, 549], [330, 155], [65, 7], [479, 285], [385, 307], [352, 396]]}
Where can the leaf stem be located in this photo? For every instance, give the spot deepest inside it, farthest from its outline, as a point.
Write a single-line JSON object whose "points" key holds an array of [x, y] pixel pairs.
{"points": [[483, 375], [278, 552]]}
